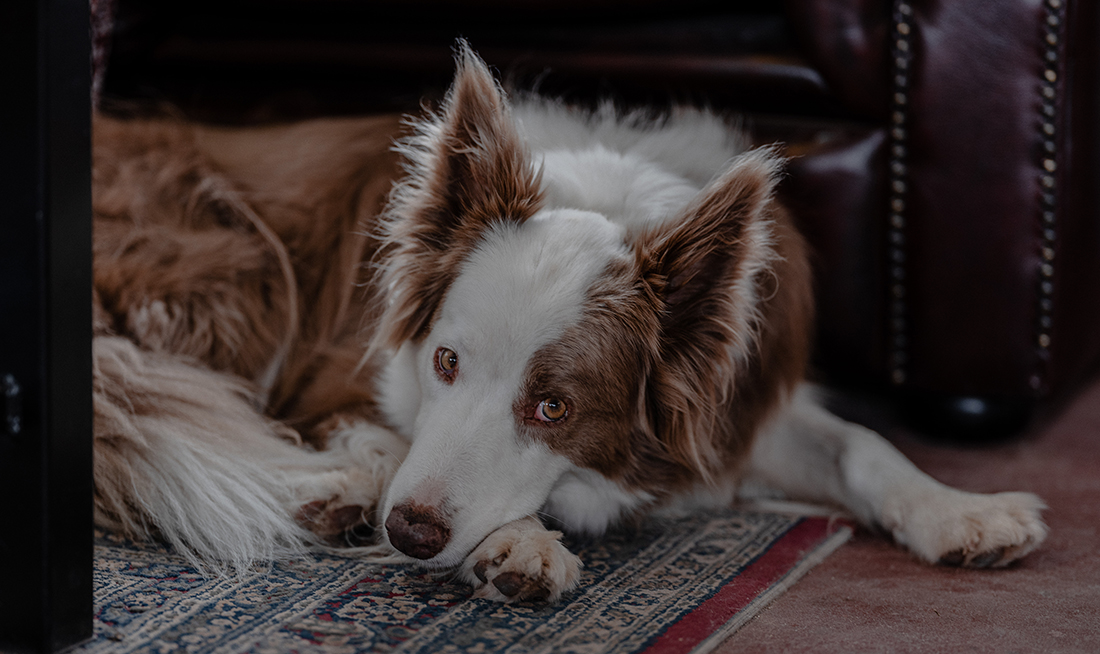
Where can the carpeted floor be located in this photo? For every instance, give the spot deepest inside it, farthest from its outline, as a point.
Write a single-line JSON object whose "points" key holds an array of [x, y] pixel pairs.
{"points": [[872, 597], [868, 596]]}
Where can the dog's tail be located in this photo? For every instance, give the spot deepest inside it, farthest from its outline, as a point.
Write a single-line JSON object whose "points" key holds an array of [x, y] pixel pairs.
{"points": [[170, 439]]}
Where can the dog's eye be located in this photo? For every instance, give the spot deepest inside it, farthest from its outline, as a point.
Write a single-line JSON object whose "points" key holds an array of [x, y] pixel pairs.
{"points": [[551, 410], [446, 363]]}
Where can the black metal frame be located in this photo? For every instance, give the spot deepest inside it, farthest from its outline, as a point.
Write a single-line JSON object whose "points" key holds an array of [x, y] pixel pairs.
{"points": [[45, 318]]}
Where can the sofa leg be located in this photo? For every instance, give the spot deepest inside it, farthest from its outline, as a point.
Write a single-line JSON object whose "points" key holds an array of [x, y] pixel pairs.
{"points": [[967, 418]]}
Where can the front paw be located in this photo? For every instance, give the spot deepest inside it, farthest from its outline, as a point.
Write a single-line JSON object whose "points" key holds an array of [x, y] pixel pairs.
{"points": [[976, 531], [522, 561]]}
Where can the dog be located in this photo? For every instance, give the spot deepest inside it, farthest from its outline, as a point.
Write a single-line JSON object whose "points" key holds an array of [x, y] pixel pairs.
{"points": [[521, 312]]}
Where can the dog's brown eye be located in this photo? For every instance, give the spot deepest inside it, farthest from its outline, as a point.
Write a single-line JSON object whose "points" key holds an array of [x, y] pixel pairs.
{"points": [[446, 363], [551, 410]]}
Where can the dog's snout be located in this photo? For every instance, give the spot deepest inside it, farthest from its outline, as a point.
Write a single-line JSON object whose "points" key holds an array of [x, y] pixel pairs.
{"points": [[417, 530]]}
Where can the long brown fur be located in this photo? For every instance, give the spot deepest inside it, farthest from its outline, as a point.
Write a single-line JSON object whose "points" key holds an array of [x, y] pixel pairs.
{"points": [[228, 296]]}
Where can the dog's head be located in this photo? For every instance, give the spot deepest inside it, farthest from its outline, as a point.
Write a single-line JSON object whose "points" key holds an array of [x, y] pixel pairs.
{"points": [[536, 341]]}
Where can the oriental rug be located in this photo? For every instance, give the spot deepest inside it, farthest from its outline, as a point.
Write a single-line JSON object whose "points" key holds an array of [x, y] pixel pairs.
{"points": [[664, 587]]}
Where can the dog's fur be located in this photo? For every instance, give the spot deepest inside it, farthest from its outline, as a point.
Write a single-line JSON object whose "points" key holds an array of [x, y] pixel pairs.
{"points": [[579, 316]]}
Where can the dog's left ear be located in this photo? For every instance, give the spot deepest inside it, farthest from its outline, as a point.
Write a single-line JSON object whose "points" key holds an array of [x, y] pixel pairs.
{"points": [[711, 269], [467, 170]]}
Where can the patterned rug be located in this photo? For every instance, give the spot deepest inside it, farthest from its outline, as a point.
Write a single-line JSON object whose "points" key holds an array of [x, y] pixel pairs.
{"points": [[668, 587]]}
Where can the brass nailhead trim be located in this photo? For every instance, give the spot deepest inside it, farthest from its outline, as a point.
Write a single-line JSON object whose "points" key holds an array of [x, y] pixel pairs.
{"points": [[1048, 184], [898, 170]]}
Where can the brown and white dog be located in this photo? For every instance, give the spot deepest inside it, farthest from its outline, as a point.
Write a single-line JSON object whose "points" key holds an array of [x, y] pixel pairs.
{"points": [[583, 316]]}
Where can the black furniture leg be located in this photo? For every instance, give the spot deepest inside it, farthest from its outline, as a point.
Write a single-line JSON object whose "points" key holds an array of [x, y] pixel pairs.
{"points": [[45, 326]]}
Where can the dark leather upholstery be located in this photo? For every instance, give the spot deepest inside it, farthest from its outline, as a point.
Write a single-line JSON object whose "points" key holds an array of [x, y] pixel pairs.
{"points": [[999, 155], [979, 178], [836, 192]]}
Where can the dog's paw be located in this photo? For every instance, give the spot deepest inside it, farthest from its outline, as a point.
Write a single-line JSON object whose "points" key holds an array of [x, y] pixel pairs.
{"points": [[336, 492], [522, 561], [339, 506], [973, 530], [336, 523]]}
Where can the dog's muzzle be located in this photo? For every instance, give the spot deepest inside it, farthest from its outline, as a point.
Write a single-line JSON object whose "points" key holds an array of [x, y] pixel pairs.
{"points": [[417, 530]]}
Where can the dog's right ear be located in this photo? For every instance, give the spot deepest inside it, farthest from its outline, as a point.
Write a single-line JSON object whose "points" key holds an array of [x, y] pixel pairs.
{"points": [[467, 169]]}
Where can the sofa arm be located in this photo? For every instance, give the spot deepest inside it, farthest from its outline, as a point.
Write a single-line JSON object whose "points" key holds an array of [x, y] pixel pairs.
{"points": [[993, 238]]}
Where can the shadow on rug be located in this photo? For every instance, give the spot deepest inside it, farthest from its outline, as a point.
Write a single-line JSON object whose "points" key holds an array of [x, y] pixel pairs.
{"points": [[670, 586]]}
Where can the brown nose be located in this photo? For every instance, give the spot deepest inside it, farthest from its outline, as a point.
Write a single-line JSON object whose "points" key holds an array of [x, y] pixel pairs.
{"points": [[417, 530]]}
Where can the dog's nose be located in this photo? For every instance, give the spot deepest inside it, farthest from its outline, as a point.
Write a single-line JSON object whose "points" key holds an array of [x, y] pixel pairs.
{"points": [[417, 530]]}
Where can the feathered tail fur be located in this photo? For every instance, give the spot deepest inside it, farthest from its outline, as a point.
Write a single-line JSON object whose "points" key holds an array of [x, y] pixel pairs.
{"points": [[180, 453]]}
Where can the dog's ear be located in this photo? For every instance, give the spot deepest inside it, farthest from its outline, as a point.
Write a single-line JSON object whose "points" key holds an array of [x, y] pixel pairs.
{"points": [[468, 165], [711, 268], [467, 169]]}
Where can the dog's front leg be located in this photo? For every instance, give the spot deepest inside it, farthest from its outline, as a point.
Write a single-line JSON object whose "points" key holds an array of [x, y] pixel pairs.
{"points": [[521, 561], [810, 454]]}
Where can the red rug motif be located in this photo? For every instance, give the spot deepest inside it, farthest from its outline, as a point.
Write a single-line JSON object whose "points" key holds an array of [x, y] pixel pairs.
{"points": [[667, 587]]}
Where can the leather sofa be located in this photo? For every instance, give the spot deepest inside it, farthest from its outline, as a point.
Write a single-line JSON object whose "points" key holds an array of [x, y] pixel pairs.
{"points": [[945, 155]]}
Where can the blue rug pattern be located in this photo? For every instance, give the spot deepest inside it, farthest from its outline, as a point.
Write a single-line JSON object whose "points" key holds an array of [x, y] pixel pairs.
{"points": [[635, 584]]}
